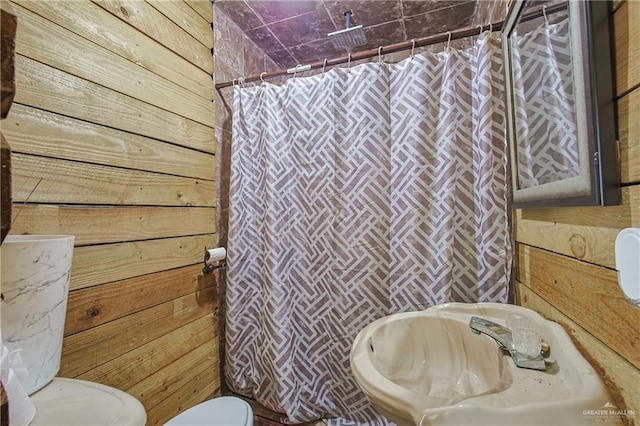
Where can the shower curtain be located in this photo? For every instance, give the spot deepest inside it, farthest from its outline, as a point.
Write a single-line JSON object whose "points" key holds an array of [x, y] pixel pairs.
{"points": [[356, 194], [546, 128]]}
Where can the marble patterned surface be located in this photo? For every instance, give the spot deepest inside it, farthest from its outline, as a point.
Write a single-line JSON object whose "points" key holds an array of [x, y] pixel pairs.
{"points": [[35, 281]]}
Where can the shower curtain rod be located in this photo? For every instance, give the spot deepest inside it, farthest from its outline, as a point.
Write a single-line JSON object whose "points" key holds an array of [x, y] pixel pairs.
{"points": [[398, 47]]}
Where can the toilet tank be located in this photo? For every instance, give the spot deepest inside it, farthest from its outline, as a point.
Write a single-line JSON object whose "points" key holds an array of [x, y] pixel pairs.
{"points": [[35, 272]]}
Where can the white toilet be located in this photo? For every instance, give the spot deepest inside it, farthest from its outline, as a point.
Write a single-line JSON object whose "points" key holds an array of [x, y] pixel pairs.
{"points": [[34, 303], [32, 318], [222, 411], [72, 402]]}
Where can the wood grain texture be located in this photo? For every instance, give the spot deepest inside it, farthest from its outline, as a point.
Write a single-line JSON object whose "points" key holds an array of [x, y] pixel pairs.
{"points": [[201, 385], [115, 144], [134, 223], [7, 46], [95, 265], [203, 7], [93, 306], [625, 376], [38, 132], [587, 234], [187, 19], [89, 349], [159, 386], [588, 294], [7, 92], [134, 366], [189, 68], [44, 87], [629, 136], [627, 48], [153, 24], [566, 255], [47, 180], [82, 58]]}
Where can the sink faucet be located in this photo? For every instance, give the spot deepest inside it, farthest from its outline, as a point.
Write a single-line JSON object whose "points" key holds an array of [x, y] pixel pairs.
{"points": [[503, 336]]}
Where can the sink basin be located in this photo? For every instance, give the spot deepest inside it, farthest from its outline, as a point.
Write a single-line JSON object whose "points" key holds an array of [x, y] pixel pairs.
{"points": [[428, 368]]}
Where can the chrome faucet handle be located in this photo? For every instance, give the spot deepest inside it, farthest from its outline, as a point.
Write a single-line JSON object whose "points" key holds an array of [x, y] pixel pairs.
{"points": [[500, 334], [504, 337]]}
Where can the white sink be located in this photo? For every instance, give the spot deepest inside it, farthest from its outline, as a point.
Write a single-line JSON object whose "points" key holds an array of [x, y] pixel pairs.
{"points": [[428, 368]]}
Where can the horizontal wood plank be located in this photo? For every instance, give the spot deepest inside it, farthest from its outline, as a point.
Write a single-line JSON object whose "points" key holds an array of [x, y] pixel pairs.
{"points": [[91, 348], [47, 180], [134, 223], [617, 371], [160, 385], [627, 49], [587, 234], [114, 143], [187, 19], [93, 306], [105, 263], [38, 132], [136, 365], [150, 22], [187, 66], [44, 87], [193, 392], [82, 58], [629, 135], [588, 294], [203, 7]]}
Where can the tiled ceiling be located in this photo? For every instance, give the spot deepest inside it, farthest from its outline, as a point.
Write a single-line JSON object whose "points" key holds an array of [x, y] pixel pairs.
{"points": [[295, 32]]}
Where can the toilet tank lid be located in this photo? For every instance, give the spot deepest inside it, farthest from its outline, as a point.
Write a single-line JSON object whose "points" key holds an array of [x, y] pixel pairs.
{"points": [[222, 411]]}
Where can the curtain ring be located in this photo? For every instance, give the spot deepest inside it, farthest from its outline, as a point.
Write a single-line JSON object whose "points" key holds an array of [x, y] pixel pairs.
{"points": [[324, 66], [262, 76], [413, 47], [380, 54], [349, 63], [448, 39], [241, 82], [544, 13]]}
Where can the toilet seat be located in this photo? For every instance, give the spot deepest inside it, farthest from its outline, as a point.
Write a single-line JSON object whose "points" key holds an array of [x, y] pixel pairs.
{"points": [[222, 411], [72, 402]]}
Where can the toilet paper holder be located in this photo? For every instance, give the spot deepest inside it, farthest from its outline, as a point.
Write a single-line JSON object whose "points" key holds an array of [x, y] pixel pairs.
{"points": [[214, 255]]}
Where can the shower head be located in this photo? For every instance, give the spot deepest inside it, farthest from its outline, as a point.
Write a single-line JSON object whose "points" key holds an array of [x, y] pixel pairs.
{"points": [[348, 37]]}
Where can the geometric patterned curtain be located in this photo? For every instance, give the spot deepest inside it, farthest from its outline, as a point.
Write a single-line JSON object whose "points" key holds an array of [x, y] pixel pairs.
{"points": [[546, 129], [354, 195]]}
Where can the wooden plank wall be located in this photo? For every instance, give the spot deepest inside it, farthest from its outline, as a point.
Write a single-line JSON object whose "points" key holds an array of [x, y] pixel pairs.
{"points": [[566, 267], [112, 133]]}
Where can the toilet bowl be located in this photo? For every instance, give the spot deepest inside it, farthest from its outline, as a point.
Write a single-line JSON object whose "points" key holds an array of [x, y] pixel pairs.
{"points": [[72, 402], [222, 411]]}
